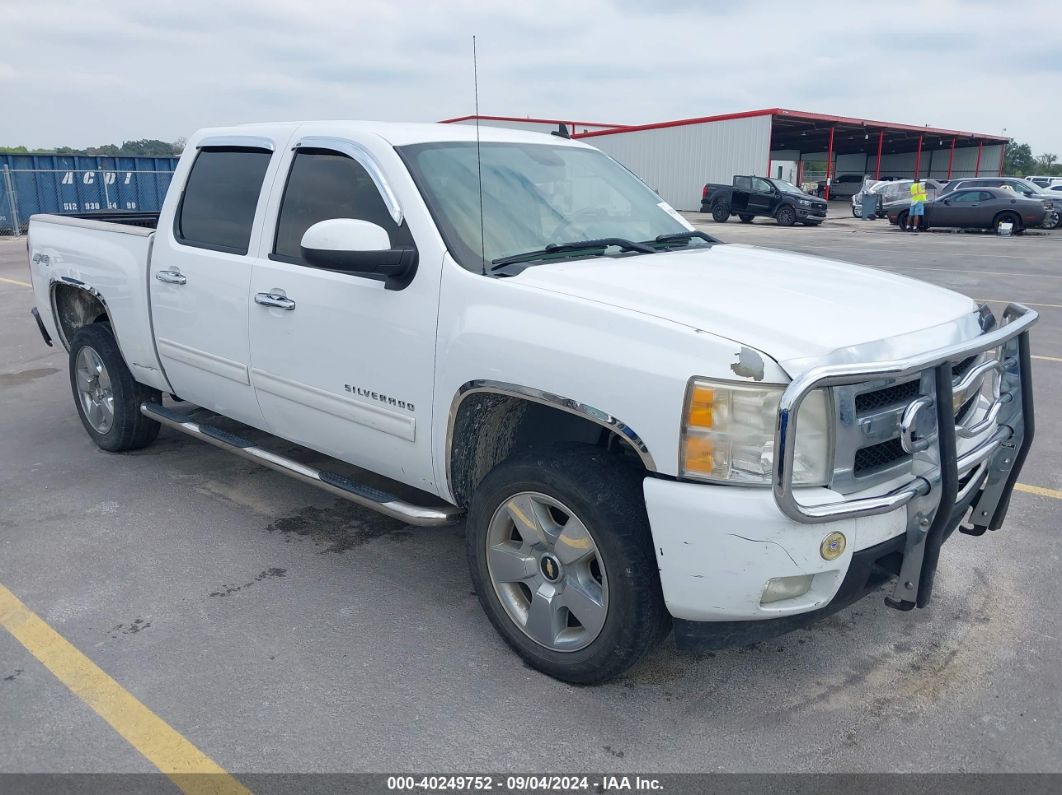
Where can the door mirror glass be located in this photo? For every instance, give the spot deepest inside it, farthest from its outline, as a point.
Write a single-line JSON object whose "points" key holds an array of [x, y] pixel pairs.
{"points": [[362, 247]]}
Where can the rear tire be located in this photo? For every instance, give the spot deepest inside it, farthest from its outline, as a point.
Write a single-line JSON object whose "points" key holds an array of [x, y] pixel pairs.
{"points": [[604, 610], [107, 396], [720, 212], [786, 216], [745, 218], [1008, 218]]}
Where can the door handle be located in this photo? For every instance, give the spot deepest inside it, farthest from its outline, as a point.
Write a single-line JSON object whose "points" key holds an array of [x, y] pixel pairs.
{"points": [[273, 299], [171, 277]]}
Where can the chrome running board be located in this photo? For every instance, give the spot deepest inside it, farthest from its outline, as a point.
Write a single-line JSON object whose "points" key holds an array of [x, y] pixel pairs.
{"points": [[358, 493]]}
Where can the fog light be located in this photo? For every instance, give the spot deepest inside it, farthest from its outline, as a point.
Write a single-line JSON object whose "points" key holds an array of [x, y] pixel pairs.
{"points": [[832, 546], [780, 588]]}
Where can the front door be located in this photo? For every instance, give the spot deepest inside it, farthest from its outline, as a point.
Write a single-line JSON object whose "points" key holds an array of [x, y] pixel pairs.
{"points": [[200, 274], [761, 196], [340, 363], [955, 209]]}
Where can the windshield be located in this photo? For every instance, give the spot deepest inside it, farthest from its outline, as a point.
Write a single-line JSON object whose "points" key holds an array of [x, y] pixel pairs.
{"points": [[787, 187], [534, 195]]}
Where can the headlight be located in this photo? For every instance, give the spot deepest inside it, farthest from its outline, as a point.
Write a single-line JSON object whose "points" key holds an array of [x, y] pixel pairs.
{"points": [[728, 434], [804, 202]]}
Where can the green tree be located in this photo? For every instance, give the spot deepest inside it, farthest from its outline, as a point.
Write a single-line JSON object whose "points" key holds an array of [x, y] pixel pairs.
{"points": [[1047, 162], [1019, 160], [145, 147]]}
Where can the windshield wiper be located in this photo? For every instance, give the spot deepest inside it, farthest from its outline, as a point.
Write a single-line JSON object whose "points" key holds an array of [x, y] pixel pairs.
{"points": [[681, 237], [575, 246]]}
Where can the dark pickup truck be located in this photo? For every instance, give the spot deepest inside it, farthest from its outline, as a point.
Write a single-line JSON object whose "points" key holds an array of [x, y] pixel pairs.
{"points": [[751, 196]]}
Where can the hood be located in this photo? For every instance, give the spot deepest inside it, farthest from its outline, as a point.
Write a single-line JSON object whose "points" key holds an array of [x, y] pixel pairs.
{"points": [[789, 306]]}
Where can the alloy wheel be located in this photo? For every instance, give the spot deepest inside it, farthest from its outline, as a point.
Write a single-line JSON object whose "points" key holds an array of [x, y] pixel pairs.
{"points": [[547, 571], [94, 390]]}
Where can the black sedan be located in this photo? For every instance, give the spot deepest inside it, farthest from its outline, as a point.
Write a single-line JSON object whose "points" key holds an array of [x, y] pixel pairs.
{"points": [[976, 208]]}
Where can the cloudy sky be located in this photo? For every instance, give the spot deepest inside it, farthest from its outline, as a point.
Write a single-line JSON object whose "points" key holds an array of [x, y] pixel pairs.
{"points": [[101, 71]]}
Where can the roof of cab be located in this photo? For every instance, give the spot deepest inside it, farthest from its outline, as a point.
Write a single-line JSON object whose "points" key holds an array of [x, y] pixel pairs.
{"points": [[395, 133]]}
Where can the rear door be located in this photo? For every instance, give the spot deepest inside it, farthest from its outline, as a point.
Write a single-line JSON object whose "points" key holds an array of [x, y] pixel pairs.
{"points": [[201, 272]]}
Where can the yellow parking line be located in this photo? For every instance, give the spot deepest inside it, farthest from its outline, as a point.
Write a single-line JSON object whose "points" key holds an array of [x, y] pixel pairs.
{"points": [[1040, 491], [1047, 358], [164, 747], [15, 282]]}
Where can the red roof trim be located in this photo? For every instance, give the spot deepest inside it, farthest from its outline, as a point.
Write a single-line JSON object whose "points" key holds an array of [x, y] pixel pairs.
{"points": [[535, 121], [795, 114], [850, 120], [683, 122]]}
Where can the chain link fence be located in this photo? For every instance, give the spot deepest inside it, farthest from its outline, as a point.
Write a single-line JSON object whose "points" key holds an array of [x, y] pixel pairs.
{"points": [[28, 191]]}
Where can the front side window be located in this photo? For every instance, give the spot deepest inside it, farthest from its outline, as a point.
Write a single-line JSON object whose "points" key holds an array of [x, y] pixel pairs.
{"points": [[787, 187], [323, 185], [761, 185], [966, 197], [221, 195], [533, 195]]}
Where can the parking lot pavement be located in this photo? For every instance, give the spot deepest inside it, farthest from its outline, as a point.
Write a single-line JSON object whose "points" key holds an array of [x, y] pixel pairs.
{"points": [[277, 629]]}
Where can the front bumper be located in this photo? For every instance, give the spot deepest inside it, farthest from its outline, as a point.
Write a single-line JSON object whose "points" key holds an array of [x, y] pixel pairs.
{"points": [[865, 572], [815, 212], [718, 546]]}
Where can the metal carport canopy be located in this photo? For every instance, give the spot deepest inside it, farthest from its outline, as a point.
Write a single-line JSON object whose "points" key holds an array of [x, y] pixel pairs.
{"points": [[810, 133]]}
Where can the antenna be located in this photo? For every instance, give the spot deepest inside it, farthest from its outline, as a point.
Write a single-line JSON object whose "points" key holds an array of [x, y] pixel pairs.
{"points": [[479, 160]]}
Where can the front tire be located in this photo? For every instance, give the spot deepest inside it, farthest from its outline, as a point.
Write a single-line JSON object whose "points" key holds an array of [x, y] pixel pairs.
{"points": [[745, 218], [561, 557], [786, 216], [107, 396]]}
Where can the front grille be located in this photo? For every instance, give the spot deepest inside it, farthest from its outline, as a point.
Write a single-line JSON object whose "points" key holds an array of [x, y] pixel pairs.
{"points": [[890, 396], [958, 370], [878, 456], [868, 450]]}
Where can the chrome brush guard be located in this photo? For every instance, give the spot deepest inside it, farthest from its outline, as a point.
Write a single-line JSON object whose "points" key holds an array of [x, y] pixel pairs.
{"points": [[928, 434]]}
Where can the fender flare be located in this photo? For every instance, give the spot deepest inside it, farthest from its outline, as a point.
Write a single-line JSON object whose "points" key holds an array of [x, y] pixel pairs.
{"points": [[569, 405]]}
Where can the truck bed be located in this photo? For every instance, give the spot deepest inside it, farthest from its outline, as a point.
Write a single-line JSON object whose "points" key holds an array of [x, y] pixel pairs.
{"points": [[126, 217], [106, 254]]}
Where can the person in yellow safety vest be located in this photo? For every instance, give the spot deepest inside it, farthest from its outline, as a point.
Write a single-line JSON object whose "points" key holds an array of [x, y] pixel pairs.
{"points": [[918, 206]]}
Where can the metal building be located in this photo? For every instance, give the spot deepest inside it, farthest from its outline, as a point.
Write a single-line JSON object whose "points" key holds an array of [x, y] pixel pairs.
{"points": [[677, 158]]}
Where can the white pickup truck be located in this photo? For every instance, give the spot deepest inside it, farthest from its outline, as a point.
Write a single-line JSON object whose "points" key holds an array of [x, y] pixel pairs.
{"points": [[646, 427]]}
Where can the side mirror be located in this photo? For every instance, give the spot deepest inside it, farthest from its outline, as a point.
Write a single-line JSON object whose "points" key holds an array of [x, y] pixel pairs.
{"points": [[352, 246]]}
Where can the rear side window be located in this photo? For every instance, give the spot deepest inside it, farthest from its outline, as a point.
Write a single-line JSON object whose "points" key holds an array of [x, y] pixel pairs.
{"points": [[220, 197], [322, 185]]}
